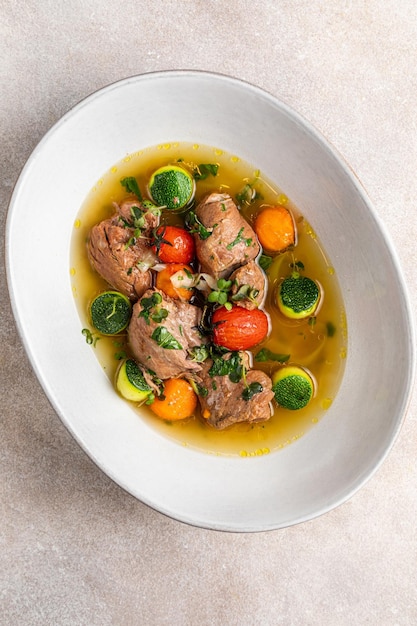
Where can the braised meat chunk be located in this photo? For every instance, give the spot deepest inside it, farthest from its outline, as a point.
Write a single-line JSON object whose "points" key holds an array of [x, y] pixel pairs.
{"points": [[118, 248], [162, 333], [224, 239], [229, 397], [248, 286], [114, 253]]}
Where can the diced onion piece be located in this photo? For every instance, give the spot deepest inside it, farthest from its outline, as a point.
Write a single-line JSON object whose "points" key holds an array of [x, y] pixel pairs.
{"points": [[204, 281], [147, 261], [183, 279]]}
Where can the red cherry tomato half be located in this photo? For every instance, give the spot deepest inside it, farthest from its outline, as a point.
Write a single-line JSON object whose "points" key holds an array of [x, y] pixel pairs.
{"points": [[174, 245], [239, 328]]}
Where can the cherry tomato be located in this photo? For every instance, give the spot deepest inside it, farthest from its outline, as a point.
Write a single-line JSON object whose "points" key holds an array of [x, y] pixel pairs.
{"points": [[239, 328], [174, 245]]}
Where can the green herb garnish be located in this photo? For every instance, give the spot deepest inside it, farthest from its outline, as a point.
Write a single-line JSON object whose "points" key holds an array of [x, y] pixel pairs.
{"points": [[204, 170], [231, 367], [265, 261], [246, 292], [197, 227], [251, 390], [266, 355], [331, 329], [298, 265], [219, 295], [90, 338], [165, 340], [240, 239], [199, 389], [248, 193], [151, 310], [199, 354], [131, 185]]}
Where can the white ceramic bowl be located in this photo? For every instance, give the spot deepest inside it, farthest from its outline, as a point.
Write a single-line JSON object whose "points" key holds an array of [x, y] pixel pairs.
{"points": [[331, 462]]}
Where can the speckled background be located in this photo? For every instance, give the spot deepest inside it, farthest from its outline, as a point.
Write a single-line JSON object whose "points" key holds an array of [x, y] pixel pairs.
{"points": [[75, 548]]}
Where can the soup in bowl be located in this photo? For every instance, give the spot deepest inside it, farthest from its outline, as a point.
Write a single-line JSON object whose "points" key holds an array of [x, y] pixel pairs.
{"points": [[265, 471]]}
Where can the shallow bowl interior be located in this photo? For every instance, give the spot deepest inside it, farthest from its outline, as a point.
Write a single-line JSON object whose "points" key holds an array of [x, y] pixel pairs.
{"points": [[333, 460]]}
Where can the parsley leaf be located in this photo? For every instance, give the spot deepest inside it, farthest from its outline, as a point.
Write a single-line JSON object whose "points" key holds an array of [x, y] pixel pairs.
{"points": [[199, 354], [266, 355], [204, 170], [90, 338], [246, 292], [150, 309], [164, 339], [232, 367], [239, 239], [197, 227], [251, 390], [131, 185], [265, 261]]}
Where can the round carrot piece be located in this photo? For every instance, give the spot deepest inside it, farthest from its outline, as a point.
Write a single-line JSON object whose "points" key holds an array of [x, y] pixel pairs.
{"points": [[178, 402], [275, 228], [163, 281]]}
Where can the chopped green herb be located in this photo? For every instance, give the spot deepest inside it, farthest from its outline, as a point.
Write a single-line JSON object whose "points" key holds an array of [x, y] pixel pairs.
{"points": [[151, 310], [138, 220], [219, 295], [199, 389], [231, 367], [265, 261], [246, 292], [199, 354], [331, 329], [266, 355], [90, 338], [298, 265], [130, 242], [131, 185], [251, 390], [197, 227], [239, 239], [204, 170], [165, 340], [248, 193]]}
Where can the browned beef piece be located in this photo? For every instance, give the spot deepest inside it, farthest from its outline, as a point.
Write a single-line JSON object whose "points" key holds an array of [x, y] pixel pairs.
{"points": [[163, 346], [249, 284], [114, 253], [232, 241], [224, 404]]}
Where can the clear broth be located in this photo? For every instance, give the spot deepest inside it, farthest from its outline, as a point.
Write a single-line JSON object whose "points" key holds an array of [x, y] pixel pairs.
{"points": [[319, 347]]}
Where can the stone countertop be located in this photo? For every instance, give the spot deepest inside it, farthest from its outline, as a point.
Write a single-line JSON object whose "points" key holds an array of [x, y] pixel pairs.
{"points": [[76, 549]]}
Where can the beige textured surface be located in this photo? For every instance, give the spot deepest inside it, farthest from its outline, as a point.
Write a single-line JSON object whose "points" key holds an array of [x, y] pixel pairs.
{"points": [[76, 549]]}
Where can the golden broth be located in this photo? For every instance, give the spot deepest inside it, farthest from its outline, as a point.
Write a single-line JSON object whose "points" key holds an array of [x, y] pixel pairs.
{"points": [[320, 347]]}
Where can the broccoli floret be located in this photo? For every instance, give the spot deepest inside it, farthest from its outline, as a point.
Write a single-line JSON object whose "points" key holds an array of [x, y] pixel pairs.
{"points": [[171, 187], [298, 296], [293, 387]]}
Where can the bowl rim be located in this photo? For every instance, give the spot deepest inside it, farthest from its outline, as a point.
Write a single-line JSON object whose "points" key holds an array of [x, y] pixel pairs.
{"points": [[162, 74]]}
